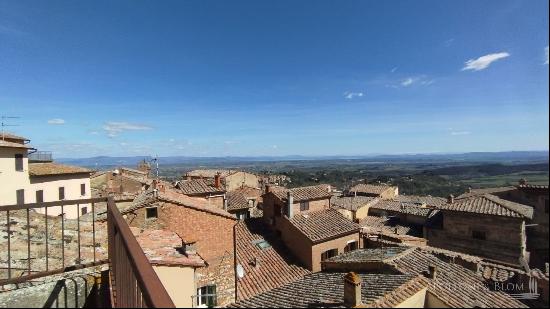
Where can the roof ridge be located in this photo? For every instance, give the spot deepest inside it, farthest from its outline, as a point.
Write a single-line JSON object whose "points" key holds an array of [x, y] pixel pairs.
{"points": [[512, 206]]}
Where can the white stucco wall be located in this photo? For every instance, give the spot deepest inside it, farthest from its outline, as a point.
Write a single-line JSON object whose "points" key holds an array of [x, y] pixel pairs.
{"points": [[10, 179], [50, 185]]}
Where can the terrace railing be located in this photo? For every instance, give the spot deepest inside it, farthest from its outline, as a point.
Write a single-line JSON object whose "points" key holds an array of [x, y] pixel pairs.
{"points": [[41, 156]]}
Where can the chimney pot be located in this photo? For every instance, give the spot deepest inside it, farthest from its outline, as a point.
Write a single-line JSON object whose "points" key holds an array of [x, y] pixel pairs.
{"points": [[451, 199], [217, 181], [469, 189], [352, 290], [290, 202], [523, 181], [432, 272]]}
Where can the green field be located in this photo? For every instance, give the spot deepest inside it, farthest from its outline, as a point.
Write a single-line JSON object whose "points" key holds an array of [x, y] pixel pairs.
{"points": [[537, 178]]}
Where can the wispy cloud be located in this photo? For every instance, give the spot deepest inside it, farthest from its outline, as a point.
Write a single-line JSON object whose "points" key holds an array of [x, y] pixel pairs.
{"points": [[448, 42], [56, 121], [420, 80], [351, 95], [484, 62], [546, 55], [408, 81], [458, 133], [394, 69], [114, 128]]}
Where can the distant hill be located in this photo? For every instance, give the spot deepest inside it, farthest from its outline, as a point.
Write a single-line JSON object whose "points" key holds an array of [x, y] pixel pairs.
{"points": [[510, 157]]}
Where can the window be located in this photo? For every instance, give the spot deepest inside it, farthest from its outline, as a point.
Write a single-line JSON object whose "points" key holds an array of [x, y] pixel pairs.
{"points": [[83, 211], [40, 196], [82, 189], [304, 205], [351, 246], [328, 254], [479, 235], [151, 213], [19, 162], [206, 296], [241, 215], [61, 193], [20, 196]]}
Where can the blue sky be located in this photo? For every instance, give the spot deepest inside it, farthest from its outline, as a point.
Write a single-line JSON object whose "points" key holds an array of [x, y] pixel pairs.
{"points": [[217, 78]]}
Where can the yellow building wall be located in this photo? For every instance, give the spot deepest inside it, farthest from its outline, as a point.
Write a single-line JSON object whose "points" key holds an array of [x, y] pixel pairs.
{"points": [[418, 300], [179, 282], [10, 179]]}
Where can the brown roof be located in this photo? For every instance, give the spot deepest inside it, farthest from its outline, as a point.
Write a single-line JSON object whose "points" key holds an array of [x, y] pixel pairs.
{"points": [[428, 200], [209, 173], [8, 144], [148, 198], [303, 193], [374, 224], [11, 136], [237, 201], [402, 207], [162, 247], [483, 191], [267, 263], [370, 189], [326, 290], [322, 225], [490, 205], [455, 285], [50, 168], [351, 202], [198, 187]]}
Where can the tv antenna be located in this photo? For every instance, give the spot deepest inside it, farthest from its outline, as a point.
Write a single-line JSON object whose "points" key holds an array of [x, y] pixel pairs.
{"points": [[5, 124]]}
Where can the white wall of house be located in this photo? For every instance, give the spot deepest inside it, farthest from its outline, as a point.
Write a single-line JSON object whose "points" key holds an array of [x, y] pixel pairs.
{"points": [[10, 179], [71, 182]]}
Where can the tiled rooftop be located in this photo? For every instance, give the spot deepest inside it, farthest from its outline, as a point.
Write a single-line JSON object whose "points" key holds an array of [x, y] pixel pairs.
{"points": [[43, 169], [370, 189], [351, 202], [303, 193], [163, 247], [373, 223], [432, 201], [490, 205], [324, 224], [238, 199], [7, 135], [265, 267], [367, 255], [483, 191], [198, 187], [209, 173], [326, 290], [402, 207], [13, 145]]}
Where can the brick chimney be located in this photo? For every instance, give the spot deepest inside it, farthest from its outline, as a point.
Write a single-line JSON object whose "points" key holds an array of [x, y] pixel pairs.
{"points": [[289, 202], [352, 290], [450, 199], [217, 180], [431, 273]]}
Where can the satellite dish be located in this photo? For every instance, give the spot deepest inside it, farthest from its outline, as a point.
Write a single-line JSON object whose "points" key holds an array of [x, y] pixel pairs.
{"points": [[240, 271]]}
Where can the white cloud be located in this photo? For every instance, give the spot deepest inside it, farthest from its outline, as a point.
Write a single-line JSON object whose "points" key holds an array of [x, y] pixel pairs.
{"points": [[448, 42], [409, 81], [56, 121], [114, 128], [350, 95], [458, 133], [546, 54], [483, 62], [393, 70]]}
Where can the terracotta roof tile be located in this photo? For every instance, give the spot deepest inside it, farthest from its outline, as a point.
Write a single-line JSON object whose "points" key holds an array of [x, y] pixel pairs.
{"points": [[8, 144], [490, 205], [209, 173], [370, 189], [265, 267], [324, 224], [351, 202], [326, 290], [483, 191], [432, 201], [43, 169], [402, 207], [303, 193], [198, 187]]}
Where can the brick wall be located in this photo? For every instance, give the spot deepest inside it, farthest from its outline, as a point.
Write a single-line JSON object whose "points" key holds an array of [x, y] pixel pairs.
{"points": [[214, 239]]}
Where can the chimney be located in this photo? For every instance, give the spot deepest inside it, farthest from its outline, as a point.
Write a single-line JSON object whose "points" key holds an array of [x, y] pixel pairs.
{"points": [[469, 189], [523, 182], [225, 203], [267, 188], [289, 208], [432, 272], [217, 181], [450, 199], [352, 290]]}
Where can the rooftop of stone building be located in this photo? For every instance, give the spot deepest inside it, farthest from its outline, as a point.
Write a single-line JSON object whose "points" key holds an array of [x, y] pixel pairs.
{"points": [[51, 168], [351, 203], [326, 290], [303, 193], [370, 188], [488, 204], [426, 200], [454, 284], [199, 187], [323, 225], [8, 144], [265, 260], [165, 248], [409, 208], [210, 173]]}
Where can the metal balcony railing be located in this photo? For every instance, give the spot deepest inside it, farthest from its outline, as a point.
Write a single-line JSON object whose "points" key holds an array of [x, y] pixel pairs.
{"points": [[40, 156], [36, 244]]}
